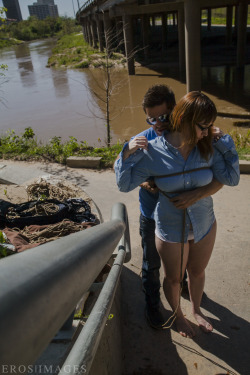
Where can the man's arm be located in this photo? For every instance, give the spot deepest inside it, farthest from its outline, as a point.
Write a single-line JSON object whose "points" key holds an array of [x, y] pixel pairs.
{"points": [[188, 198]]}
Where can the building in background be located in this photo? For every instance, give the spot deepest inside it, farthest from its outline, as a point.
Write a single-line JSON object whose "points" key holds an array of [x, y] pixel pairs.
{"points": [[43, 8], [13, 10]]}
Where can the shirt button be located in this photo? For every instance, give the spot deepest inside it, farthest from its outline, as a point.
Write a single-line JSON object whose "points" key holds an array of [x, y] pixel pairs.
{"points": [[189, 210], [187, 183]]}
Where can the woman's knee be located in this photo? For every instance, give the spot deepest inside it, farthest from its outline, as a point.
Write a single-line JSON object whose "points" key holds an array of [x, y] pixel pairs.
{"points": [[171, 279], [195, 273]]}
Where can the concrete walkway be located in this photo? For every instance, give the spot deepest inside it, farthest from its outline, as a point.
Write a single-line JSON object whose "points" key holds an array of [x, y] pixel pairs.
{"points": [[150, 352]]}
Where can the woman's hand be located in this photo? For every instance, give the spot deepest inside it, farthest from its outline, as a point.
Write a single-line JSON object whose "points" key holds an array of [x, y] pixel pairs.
{"points": [[216, 133], [185, 199], [135, 144]]}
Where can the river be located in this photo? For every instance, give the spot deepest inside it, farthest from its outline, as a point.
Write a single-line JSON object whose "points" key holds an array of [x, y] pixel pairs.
{"points": [[60, 102]]}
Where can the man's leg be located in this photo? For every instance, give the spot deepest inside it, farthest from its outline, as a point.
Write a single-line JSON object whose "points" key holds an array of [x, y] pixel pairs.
{"points": [[150, 273]]}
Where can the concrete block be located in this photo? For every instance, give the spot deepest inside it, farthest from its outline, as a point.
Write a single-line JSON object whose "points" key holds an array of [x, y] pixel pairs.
{"points": [[83, 161], [245, 166]]}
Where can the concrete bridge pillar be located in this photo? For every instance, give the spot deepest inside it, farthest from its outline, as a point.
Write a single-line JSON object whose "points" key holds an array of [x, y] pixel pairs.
{"points": [[209, 11], [145, 35], [119, 32], [193, 45], [181, 40], [128, 41], [229, 23], [90, 39], [164, 30], [241, 33], [84, 32], [99, 33], [93, 29]]}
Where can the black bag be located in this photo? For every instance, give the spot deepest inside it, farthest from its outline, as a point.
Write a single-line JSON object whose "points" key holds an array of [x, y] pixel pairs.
{"points": [[18, 215]]}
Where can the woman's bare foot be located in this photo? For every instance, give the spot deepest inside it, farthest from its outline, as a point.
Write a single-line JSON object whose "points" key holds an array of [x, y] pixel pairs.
{"points": [[183, 327], [203, 322]]}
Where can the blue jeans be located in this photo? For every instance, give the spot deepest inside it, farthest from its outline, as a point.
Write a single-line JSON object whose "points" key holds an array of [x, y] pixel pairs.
{"points": [[151, 262]]}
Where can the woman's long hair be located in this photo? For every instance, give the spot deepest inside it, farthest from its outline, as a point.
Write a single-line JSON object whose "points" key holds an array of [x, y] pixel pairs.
{"points": [[194, 108]]}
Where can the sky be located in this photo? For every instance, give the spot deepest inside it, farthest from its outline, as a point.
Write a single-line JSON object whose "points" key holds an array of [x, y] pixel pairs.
{"points": [[65, 7]]}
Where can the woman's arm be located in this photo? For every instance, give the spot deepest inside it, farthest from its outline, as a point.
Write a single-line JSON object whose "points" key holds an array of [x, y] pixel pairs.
{"points": [[131, 170], [188, 198], [225, 165]]}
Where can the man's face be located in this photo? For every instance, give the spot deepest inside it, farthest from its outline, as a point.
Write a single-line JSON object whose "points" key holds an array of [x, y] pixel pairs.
{"points": [[154, 113]]}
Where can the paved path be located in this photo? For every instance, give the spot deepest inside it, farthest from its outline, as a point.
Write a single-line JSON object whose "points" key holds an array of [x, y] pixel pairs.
{"points": [[150, 352]]}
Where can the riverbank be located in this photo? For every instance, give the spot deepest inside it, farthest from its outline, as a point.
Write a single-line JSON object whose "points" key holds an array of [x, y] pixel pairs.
{"points": [[26, 147], [72, 51]]}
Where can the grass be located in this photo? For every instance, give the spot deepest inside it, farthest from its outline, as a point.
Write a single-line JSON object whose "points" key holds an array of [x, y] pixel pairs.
{"points": [[26, 147], [4, 42], [74, 52], [218, 16]]}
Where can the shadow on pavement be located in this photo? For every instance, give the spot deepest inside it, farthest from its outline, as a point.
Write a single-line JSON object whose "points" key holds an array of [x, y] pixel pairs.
{"points": [[146, 351], [230, 340], [75, 178]]}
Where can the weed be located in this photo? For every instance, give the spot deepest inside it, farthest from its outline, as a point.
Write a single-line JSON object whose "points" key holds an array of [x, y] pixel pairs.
{"points": [[26, 147]]}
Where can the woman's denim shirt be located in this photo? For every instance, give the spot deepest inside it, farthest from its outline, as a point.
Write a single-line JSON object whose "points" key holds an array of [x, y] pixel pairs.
{"points": [[162, 158]]}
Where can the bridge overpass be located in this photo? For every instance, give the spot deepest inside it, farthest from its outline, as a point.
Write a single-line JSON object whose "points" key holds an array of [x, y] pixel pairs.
{"points": [[125, 18]]}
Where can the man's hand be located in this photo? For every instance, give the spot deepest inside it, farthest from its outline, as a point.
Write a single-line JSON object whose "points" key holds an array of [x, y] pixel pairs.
{"points": [[185, 199], [217, 133], [150, 186], [135, 144]]}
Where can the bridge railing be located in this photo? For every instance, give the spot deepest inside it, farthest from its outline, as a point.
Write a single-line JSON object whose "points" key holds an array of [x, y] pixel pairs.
{"points": [[40, 288]]}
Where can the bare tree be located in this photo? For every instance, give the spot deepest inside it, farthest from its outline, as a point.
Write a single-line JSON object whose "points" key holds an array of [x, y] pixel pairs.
{"points": [[107, 87]]}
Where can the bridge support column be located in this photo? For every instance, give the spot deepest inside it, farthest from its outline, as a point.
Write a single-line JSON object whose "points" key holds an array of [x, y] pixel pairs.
{"points": [[90, 39], [181, 40], [99, 33], [241, 33], [193, 45], [164, 31], [128, 41], [229, 23], [145, 35], [209, 11], [93, 29], [84, 33], [119, 33]]}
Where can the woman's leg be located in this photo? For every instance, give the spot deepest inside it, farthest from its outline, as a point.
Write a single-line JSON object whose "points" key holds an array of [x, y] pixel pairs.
{"points": [[199, 255], [170, 254]]}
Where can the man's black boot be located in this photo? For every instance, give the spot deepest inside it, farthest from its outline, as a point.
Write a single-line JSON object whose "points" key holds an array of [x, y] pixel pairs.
{"points": [[154, 317]]}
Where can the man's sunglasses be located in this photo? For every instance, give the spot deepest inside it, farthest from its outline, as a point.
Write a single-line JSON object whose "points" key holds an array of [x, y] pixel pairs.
{"points": [[202, 128], [153, 120]]}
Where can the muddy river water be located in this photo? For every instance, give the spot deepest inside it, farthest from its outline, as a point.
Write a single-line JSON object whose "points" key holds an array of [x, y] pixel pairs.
{"points": [[60, 102]]}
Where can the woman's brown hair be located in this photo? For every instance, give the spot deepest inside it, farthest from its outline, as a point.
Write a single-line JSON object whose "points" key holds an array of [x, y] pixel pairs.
{"points": [[194, 108]]}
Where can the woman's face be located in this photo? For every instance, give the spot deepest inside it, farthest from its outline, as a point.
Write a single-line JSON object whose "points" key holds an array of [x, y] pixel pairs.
{"points": [[202, 129]]}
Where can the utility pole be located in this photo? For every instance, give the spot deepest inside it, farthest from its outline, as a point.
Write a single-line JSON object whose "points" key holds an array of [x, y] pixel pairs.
{"points": [[74, 8]]}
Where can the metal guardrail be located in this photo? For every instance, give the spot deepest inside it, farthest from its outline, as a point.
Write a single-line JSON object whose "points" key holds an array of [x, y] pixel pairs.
{"points": [[40, 287], [85, 347]]}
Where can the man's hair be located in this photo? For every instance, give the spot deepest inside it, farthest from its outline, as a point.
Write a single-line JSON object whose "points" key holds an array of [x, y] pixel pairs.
{"points": [[194, 108], [157, 95]]}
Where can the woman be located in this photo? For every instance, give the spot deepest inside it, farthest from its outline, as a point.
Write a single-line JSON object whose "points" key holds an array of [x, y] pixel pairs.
{"points": [[187, 157]]}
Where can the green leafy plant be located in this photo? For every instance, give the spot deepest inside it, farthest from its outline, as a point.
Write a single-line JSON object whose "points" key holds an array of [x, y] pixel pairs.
{"points": [[3, 250], [26, 147]]}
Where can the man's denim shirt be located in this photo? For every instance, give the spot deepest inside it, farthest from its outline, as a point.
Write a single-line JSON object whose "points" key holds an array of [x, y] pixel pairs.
{"points": [[162, 158], [147, 200]]}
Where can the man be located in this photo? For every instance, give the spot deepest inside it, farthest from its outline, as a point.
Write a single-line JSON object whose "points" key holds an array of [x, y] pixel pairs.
{"points": [[158, 103]]}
